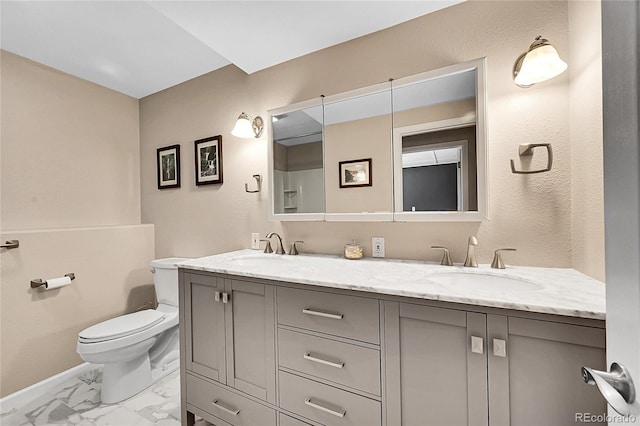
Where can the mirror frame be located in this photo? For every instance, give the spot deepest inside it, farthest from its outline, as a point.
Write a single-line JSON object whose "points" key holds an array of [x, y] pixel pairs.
{"points": [[319, 217], [479, 119], [395, 147]]}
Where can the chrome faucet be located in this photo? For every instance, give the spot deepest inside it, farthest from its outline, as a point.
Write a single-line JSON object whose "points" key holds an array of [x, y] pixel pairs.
{"points": [[279, 249], [471, 253]]}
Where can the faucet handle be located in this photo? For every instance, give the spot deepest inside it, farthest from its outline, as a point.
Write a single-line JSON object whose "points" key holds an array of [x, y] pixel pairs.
{"points": [[294, 249], [267, 248], [446, 257], [497, 258]]}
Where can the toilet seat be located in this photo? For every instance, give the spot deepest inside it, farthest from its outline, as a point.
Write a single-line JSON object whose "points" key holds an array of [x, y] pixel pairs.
{"points": [[121, 326]]}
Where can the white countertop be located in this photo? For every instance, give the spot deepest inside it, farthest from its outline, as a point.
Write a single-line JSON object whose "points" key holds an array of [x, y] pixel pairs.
{"points": [[552, 290]]}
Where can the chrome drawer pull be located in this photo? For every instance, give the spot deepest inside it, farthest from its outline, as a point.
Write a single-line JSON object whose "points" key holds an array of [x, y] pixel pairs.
{"points": [[308, 356], [340, 413], [225, 409], [322, 314]]}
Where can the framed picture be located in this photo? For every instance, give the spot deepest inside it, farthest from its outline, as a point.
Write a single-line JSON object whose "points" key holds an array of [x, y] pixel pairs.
{"points": [[169, 167], [355, 173], [209, 160]]}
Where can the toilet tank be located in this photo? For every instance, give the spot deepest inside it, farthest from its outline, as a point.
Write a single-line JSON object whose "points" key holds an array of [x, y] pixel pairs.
{"points": [[165, 279]]}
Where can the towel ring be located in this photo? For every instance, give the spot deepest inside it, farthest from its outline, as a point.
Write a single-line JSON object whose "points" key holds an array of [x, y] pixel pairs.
{"points": [[258, 179], [527, 150]]}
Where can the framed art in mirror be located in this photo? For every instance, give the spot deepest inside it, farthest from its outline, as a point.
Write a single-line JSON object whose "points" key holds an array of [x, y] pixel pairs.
{"points": [[354, 173]]}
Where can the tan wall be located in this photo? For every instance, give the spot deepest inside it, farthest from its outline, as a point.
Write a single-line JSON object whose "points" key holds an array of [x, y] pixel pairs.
{"points": [[69, 167], [587, 190], [532, 213], [70, 150], [39, 329]]}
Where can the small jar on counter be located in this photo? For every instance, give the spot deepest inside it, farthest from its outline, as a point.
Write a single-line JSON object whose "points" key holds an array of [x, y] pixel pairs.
{"points": [[353, 251]]}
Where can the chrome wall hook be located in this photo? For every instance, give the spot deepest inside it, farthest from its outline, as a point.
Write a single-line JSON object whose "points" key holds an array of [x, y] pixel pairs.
{"points": [[10, 244], [526, 149], [258, 179]]}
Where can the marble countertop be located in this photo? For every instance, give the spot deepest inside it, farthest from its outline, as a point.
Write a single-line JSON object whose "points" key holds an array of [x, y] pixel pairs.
{"points": [[557, 291]]}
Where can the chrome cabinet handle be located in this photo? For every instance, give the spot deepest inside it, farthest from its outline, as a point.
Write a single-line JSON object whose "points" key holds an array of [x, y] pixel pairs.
{"points": [[225, 297], [216, 296], [225, 409], [340, 413], [309, 357], [322, 314]]}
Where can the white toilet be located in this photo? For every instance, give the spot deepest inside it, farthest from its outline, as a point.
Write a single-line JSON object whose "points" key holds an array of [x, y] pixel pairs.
{"points": [[140, 348]]}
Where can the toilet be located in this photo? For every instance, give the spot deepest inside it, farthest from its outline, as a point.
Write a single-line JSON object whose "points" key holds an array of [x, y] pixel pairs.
{"points": [[137, 349]]}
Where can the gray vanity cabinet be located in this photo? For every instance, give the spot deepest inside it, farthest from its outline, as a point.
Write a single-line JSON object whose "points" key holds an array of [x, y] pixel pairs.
{"points": [[452, 367], [204, 326], [229, 327], [433, 375], [537, 381]]}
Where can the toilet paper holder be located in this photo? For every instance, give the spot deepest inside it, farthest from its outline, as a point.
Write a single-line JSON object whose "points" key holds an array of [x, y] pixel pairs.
{"points": [[40, 282]]}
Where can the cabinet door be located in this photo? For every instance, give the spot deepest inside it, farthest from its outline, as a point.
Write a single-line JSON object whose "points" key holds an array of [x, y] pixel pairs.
{"points": [[536, 379], [433, 376], [204, 317], [250, 339]]}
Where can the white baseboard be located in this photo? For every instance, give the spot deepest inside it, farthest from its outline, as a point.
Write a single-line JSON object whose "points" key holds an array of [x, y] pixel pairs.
{"points": [[24, 396]]}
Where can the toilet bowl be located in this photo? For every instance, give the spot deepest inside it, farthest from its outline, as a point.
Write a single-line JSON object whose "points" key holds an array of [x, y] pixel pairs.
{"points": [[140, 348]]}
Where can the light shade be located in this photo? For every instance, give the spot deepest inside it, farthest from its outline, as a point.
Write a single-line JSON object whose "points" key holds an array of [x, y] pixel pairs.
{"points": [[247, 128], [541, 62]]}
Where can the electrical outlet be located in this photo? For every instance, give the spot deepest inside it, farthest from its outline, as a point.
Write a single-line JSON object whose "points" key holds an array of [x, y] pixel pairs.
{"points": [[255, 240], [377, 246]]}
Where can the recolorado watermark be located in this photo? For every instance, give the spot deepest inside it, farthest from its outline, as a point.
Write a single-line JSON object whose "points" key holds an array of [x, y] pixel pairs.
{"points": [[603, 418]]}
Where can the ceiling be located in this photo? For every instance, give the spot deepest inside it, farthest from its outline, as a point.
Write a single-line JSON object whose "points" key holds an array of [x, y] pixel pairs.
{"points": [[141, 47]]}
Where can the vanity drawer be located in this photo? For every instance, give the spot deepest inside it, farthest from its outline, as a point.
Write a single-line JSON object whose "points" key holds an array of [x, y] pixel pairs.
{"points": [[346, 316], [228, 406], [290, 421], [343, 363], [326, 404]]}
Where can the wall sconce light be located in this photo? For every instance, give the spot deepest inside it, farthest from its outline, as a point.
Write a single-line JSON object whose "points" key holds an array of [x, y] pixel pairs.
{"points": [[247, 128], [541, 62]]}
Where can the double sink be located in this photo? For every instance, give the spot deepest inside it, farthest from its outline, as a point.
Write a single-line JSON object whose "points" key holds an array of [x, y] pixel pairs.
{"points": [[461, 280]]}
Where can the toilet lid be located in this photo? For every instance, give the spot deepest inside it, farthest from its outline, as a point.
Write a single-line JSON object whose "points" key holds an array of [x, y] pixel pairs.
{"points": [[121, 326]]}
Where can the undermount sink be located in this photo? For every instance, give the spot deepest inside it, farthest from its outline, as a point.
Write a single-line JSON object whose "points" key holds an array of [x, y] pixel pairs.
{"points": [[483, 281]]}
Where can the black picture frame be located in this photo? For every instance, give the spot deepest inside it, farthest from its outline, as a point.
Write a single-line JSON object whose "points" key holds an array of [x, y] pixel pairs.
{"points": [[355, 173], [168, 165], [208, 160]]}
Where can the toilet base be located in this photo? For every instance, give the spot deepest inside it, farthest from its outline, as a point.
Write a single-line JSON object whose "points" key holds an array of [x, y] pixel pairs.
{"points": [[122, 380]]}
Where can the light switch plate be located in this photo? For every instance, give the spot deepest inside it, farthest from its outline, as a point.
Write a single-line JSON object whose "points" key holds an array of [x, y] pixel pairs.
{"points": [[377, 246], [255, 240]]}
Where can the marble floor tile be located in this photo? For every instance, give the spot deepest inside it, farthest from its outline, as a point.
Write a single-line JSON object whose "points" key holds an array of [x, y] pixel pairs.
{"points": [[77, 402]]}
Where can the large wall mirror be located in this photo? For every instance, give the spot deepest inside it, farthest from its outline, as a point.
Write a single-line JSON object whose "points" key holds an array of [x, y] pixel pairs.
{"points": [[421, 138], [439, 147], [296, 162]]}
